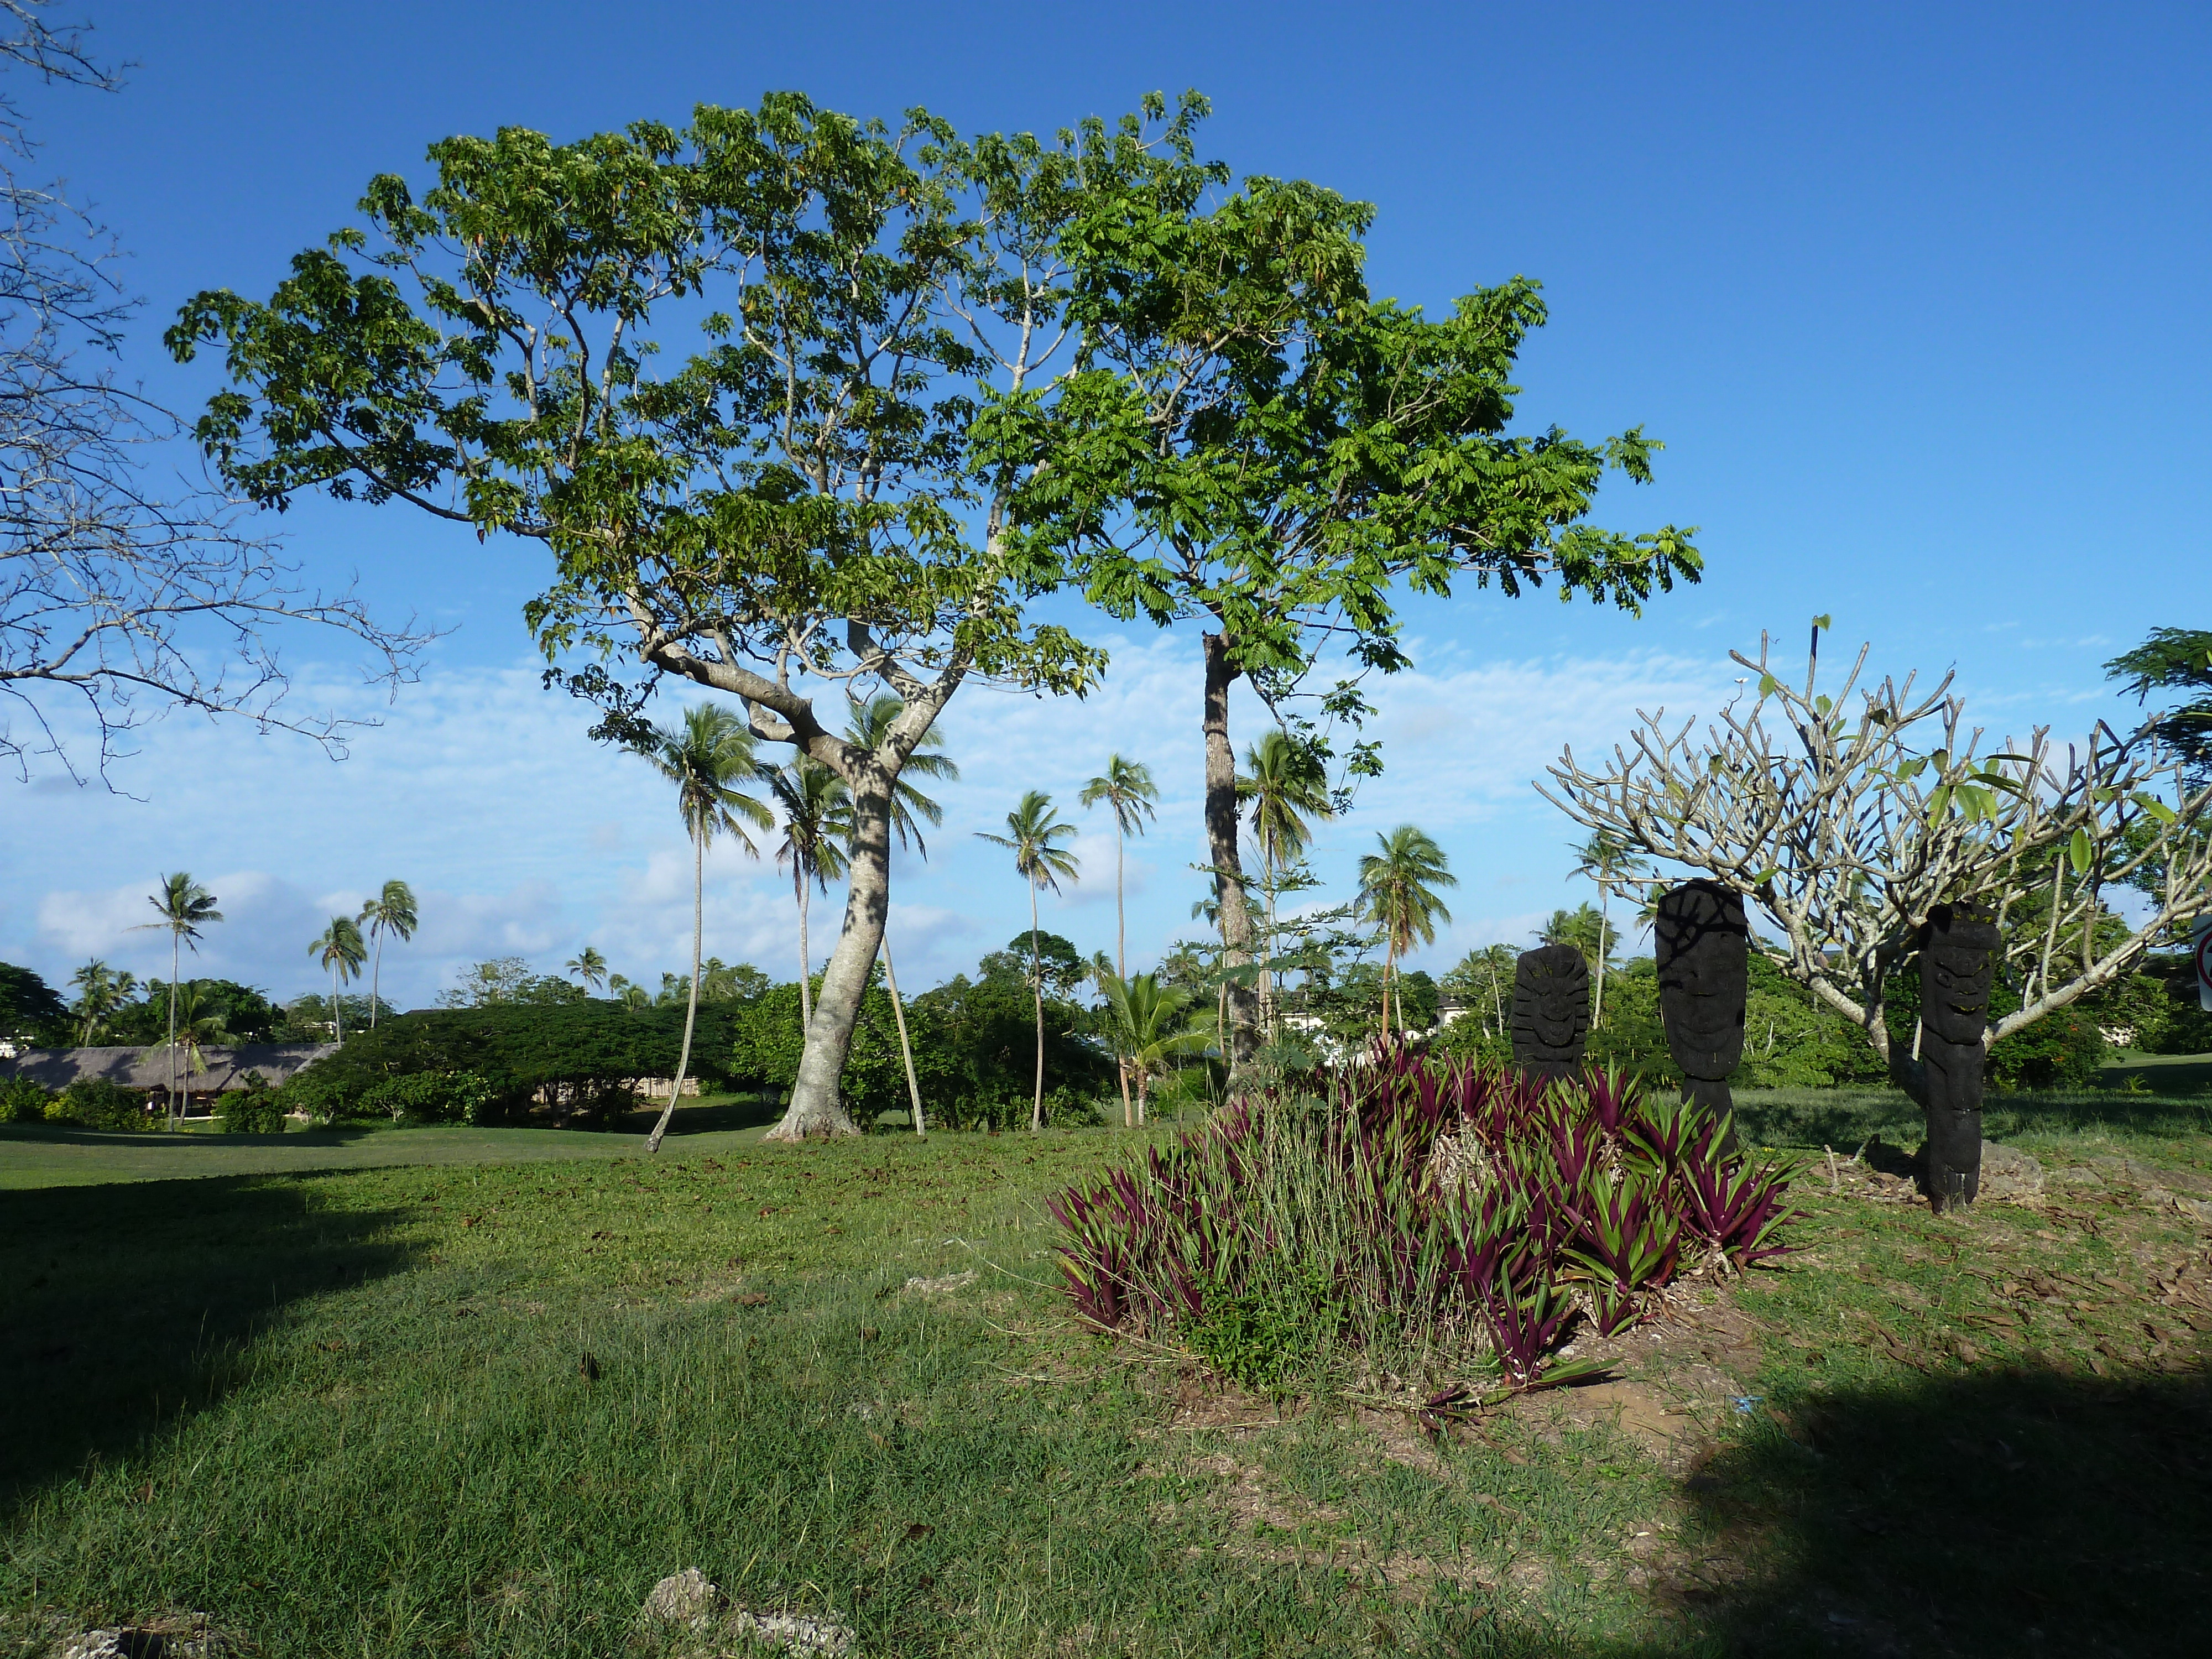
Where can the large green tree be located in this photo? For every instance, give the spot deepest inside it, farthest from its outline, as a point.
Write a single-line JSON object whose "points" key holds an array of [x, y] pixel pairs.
{"points": [[726, 376], [1258, 445]]}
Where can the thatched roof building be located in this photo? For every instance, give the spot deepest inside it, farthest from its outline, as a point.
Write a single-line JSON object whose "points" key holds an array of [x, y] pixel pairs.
{"points": [[147, 1068]]}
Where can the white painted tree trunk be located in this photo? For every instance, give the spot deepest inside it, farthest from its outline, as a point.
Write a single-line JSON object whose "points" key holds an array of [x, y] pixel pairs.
{"points": [[691, 1002], [906, 1048]]}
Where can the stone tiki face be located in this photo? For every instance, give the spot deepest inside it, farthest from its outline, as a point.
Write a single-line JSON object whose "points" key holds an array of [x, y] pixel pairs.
{"points": [[1551, 1010], [1704, 951]]}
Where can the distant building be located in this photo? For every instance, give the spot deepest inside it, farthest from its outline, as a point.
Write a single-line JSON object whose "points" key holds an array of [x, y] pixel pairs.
{"points": [[147, 1069]]}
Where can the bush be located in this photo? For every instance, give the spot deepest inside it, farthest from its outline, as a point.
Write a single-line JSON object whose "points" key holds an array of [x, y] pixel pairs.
{"points": [[433, 1098], [1419, 1205], [22, 1101], [577, 1061], [96, 1103], [255, 1109]]}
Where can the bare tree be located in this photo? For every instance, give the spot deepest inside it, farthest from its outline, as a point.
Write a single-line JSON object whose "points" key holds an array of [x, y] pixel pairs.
{"points": [[1849, 829], [115, 597]]}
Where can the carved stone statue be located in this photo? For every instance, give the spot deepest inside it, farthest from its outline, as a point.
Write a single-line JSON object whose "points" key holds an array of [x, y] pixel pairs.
{"points": [[1959, 952], [1551, 1010], [1704, 949]]}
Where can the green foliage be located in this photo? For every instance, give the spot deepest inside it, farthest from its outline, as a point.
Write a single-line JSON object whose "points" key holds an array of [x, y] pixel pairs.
{"points": [[240, 1012], [2175, 660], [255, 1109], [96, 1103], [505, 981], [981, 1038], [424, 1097], [31, 1011], [1269, 1337], [768, 1038], [574, 1060], [22, 1101]]}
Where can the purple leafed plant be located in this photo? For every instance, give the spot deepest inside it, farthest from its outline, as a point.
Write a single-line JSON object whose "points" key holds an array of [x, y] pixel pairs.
{"points": [[1561, 1199]]}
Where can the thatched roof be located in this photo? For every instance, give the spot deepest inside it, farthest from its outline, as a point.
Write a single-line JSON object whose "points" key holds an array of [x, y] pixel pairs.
{"points": [[135, 1067]]}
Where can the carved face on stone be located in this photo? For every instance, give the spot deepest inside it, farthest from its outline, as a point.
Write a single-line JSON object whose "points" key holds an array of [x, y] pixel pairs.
{"points": [[1704, 951], [1551, 1002], [1958, 950]]}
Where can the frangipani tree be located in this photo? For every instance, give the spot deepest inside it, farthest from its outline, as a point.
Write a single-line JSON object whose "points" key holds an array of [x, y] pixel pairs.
{"points": [[726, 376], [1848, 817]]}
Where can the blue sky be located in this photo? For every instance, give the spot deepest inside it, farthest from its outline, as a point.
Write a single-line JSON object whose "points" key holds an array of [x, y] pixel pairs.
{"points": [[1913, 295]]}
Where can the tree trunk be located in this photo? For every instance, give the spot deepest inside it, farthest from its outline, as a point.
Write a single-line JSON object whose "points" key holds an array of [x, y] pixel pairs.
{"points": [[1597, 1006], [1037, 986], [1121, 1068], [816, 1108], [376, 979], [1389, 961], [338, 1010], [906, 1048], [1238, 1000], [805, 966], [690, 1002], [174, 960], [1121, 912]]}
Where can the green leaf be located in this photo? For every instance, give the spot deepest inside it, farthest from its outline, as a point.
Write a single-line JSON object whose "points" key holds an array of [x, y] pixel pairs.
{"points": [[1768, 685], [2078, 851], [1939, 803], [2157, 808]]}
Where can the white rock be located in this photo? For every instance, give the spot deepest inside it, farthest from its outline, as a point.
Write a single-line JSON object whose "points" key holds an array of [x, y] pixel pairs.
{"points": [[683, 1598], [937, 1286], [791, 1632]]}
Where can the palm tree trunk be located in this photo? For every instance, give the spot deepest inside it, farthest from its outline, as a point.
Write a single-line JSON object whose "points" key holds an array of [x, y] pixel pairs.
{"points": [[805, 1007], [1122, 1067], [337, 1010], [1498, 996], [376, 977], [906, 1048], [1120, 920], [1604, 928], [1037, 986], [691, 1002], [1389, 962], [174, 940]]}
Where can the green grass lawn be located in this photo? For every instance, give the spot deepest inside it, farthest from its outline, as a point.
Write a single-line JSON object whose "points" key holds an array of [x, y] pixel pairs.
{"points": [[37, 1156], [349, 1413]]}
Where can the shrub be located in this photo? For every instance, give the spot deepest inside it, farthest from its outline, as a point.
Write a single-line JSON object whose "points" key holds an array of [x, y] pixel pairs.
{"points": [[96, 1103], [255, 1109], [22, 1101], [433, 1098], [1452, 1208]]}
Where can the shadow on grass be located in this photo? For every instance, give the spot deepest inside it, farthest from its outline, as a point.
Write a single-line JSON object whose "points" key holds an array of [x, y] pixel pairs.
{"points": [[2007, 1512], [122, 1309], [745, 1112], [1846, 1118]]}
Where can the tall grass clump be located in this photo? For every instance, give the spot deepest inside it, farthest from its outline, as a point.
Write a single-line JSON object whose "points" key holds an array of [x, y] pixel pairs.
{"points": [[1416, 1210]]}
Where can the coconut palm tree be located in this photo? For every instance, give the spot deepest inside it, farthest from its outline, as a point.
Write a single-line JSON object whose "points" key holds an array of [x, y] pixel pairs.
{"points": [[100, 991], [589, 966], [869, 723], [1034, 832], [392, 911], [341, 948], [1126, 785], [1147, 1025], [707, 757], [1397, 893], [1585, 928], [1610, 862], [1286, 786], [184, 906], [197, 1024], [813, 801]]}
